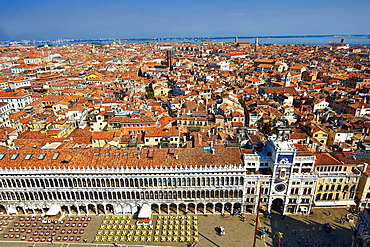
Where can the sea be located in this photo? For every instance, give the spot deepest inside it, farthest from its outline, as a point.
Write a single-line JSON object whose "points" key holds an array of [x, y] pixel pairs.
{"points": [[363, 39]]}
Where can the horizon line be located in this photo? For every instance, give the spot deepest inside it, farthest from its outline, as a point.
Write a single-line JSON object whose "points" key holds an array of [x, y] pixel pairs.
{"points": [[197, 37]]}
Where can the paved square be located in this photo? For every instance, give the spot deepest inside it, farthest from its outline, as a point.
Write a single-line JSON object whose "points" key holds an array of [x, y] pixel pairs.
{"points": [[238, 232]]}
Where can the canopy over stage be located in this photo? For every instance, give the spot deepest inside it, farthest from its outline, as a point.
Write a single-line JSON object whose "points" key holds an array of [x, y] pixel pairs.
{"points": [[145, 215], [54, 213]]}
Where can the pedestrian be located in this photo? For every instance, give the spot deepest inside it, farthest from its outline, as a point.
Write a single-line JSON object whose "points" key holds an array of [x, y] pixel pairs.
{"points": [[295, 232], [85, 240], [283, 217], [329, 213], [286, 226]]}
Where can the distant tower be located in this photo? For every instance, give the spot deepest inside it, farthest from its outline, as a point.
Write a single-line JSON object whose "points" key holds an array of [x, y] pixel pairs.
{"points": [[256, 44], [287, 79], [170, 55], [236, 39]]}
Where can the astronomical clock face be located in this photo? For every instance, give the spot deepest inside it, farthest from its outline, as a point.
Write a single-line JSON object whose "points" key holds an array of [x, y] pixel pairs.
{"points": [[280, 187]]}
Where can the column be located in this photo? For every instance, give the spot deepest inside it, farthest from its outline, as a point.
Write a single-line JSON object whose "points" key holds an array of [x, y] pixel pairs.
{"points": [[159, 209], [213, 208], [223, 208], [87, 209], [284, 209], [168, 209], [195, 208], [205, 209], [255, 207], [177, 209], [186, 208], [232, 208]]}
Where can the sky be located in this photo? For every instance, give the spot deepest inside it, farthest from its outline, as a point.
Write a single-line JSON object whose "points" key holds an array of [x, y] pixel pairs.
{"points": [[90, 19]]}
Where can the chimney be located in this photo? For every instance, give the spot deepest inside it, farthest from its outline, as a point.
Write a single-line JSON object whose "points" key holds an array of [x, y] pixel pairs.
{"points": [[342, 41]]}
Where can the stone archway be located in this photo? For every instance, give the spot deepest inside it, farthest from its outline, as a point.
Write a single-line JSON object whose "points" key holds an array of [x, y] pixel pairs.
{"points": [[73, 209], [228, 207], [200, 208], [218, 207], [64, 209], [210, 208], [109, 209], [173, 208], [191, 208], [182, 208], [2, 209], [164, 209], [155, 208], [82, 209], [100, 209], [91, 208], [277, 205]]}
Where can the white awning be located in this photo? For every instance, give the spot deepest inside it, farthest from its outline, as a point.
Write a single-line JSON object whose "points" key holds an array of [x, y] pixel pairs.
{"points": [[118, 209], [54, 210], [145, 212], [127, 209], [12, 210]]}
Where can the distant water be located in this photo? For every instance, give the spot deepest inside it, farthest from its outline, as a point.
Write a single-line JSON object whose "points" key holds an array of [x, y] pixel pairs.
{"points": [[307, 40]]}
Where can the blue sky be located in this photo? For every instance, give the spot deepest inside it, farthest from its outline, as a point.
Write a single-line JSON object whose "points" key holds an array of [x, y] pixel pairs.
{"points": [[53, 19]]}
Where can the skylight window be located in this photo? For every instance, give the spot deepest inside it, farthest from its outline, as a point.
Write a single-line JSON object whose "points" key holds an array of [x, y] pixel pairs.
{"points": [[125, 154], [2, 156], [28, 156], [107, 154], [55, 156], [117, 154], [96, 154], [14, 156], [42, 156]]}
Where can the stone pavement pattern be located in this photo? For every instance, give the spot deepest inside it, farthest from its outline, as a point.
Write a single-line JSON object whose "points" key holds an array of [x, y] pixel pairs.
{"points": [[238, 233]]}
